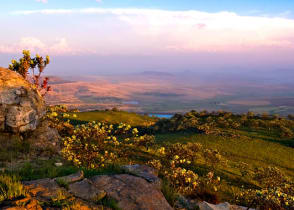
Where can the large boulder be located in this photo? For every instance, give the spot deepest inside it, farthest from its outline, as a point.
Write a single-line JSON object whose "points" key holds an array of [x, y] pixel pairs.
{"points": [[131, 192], [21, 105]]}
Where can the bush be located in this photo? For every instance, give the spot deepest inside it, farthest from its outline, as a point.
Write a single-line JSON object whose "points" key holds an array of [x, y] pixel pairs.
{"points": [[95, 145], [26, 63], [277, 191], [185, 181]]}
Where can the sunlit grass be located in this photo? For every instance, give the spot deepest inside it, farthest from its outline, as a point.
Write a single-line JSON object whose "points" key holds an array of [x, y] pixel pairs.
{"points": [[114, 117]]}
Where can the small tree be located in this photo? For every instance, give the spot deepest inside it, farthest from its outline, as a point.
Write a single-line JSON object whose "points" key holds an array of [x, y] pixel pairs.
{"points": [[26, 63]]}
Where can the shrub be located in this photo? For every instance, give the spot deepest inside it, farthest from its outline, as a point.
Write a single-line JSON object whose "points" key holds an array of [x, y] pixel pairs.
{"points": [[185, 181], [269, 177], [26, 63], [95, 144], [277, 191]]}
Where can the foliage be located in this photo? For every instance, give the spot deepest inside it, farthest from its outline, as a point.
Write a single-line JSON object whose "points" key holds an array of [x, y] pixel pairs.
{"points": [[26, 63], [56, 116], [169, 192], [185, 181], [10, 188], [95, 145], [226, 123]]}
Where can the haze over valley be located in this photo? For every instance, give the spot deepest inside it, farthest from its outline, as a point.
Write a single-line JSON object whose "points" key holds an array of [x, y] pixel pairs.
{"points": [[163, 92]]}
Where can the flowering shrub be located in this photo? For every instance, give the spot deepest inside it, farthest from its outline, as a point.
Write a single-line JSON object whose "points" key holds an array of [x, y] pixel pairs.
{"points": [[95, 144], [55, 116], [281, 197], [185, 181], [179, 154], [210, 182], [155, 164], [277, 191], [269, 177], [212, 157]]}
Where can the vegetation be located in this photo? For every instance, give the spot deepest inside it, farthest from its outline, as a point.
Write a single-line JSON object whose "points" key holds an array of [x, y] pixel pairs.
{"points": [[27, 63], [244, 159], [209, 156], [113, 117], [10, 188]]}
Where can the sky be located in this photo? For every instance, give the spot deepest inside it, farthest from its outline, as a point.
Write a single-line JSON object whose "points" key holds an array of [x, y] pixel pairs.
{"points": [[117, 36]]}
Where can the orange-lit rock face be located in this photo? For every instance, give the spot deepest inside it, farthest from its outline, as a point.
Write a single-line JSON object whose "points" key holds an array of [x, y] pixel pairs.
{"points": [[21, 106]]}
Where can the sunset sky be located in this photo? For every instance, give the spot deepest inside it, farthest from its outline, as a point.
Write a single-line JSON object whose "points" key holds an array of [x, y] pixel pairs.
{"points": [[113, 36]]}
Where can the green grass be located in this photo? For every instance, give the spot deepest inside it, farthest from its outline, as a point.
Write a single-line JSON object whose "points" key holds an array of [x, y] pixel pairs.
{"points": [[12, 147], [256, 152], [10, 188], [113, 117], [109, 202], [39, 169]]}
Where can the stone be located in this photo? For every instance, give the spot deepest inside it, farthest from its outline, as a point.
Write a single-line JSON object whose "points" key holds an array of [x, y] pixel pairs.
{"points": [[43, 189], [185, 203], [58, 164], [145, 172], [72, 178], [45, 138], [85, 190], [131, 192], [222, 206], [21, 105]]}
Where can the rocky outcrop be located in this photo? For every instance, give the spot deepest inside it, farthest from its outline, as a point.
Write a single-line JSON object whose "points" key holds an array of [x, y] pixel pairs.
{"points": [[21, 106], [127, 191]]}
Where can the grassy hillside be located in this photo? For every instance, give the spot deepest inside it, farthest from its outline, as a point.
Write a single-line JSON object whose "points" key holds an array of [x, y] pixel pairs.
{"points": [[244, 159], [114, 117], [247, 143]]}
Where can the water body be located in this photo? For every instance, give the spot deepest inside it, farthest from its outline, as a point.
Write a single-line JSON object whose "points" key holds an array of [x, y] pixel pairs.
{"points": [[167, 116]]}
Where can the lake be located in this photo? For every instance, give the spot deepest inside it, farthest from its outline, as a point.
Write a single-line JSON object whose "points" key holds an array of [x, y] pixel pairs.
{"points": [[168, 116]]}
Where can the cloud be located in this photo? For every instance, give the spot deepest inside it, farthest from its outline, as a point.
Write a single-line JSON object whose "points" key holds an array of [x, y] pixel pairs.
{"points": [[154, 30], [57, 47], [42, 1]]}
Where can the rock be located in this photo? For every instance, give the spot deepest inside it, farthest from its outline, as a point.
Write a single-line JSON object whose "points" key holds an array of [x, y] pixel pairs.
{"points": [[21, 105], [72, 178], [131, 192], [43, 189], [58, 164], [183, 203], [87, 191], [145, 172], [222, 206], [45, 138]]}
